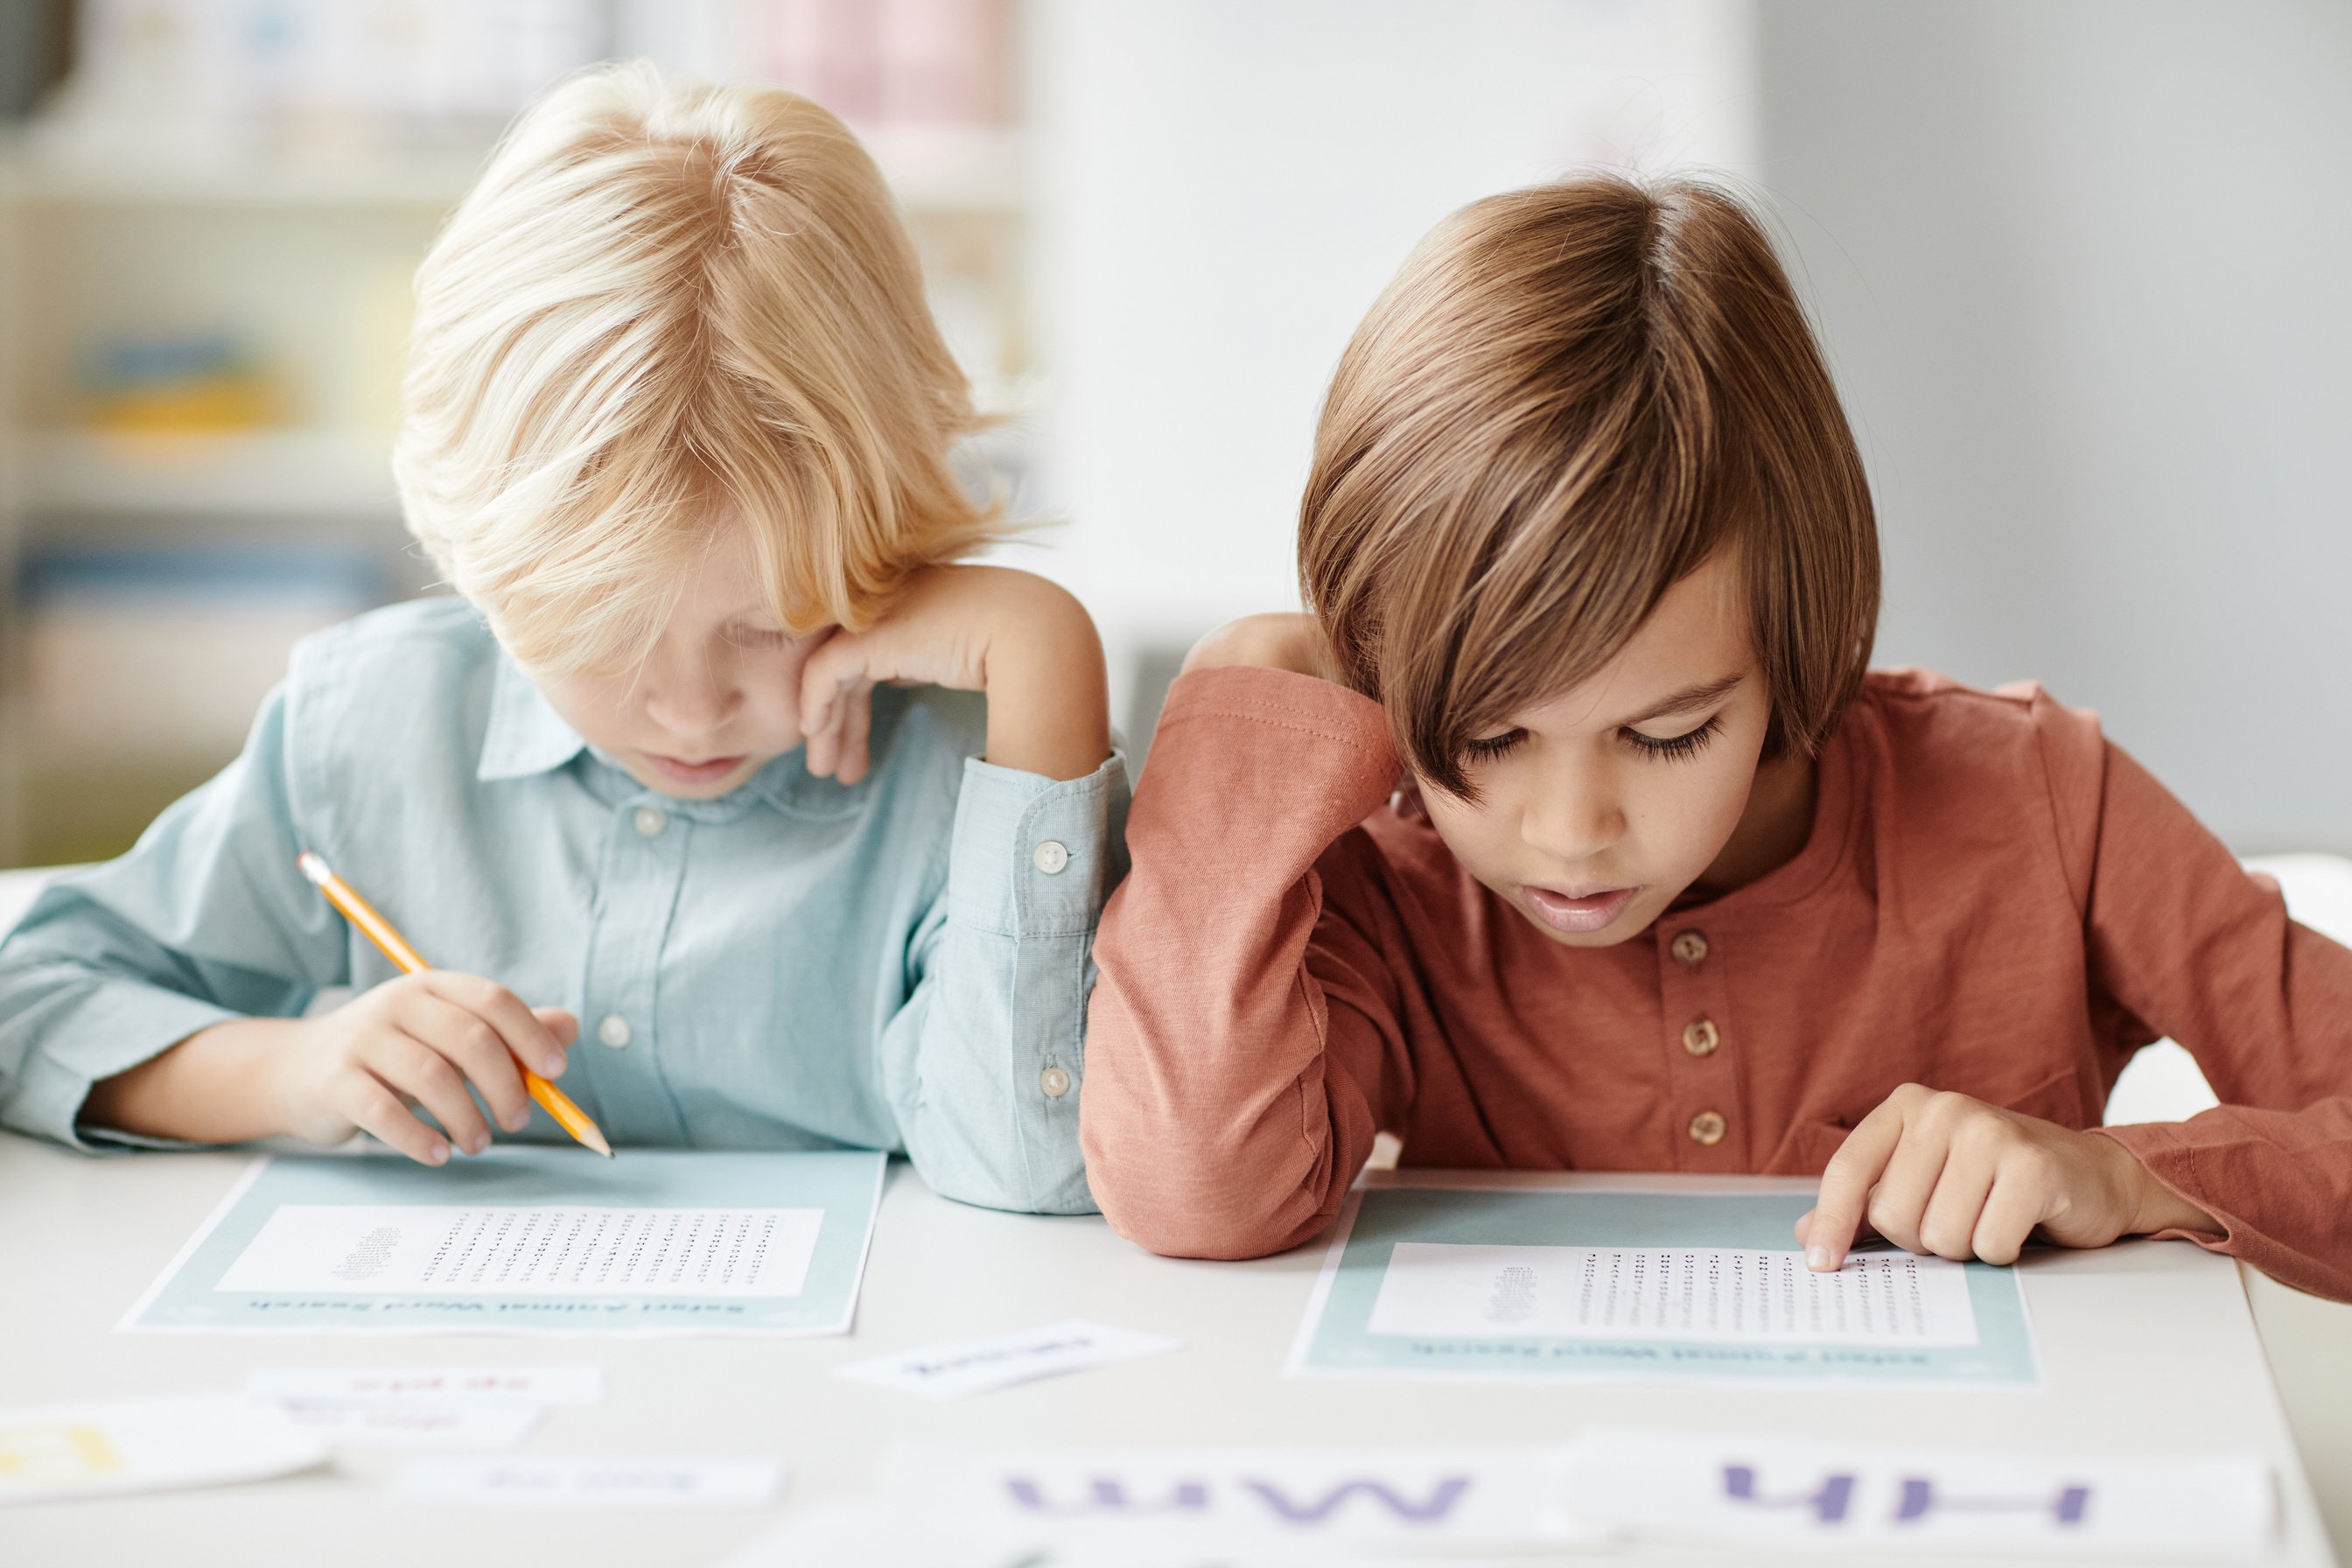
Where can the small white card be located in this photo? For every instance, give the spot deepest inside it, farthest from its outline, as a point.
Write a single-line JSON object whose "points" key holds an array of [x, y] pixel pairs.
{"points": [[591, 1483], [439, 1385], [960, 1367], [146, 1445], [417, 1426], [1756, 1492]]}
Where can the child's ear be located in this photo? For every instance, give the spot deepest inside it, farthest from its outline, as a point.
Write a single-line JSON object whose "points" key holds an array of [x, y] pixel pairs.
{"points": [[1405, 799]]}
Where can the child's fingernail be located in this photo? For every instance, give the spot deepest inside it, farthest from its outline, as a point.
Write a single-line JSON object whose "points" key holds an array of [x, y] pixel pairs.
{"points": [[437, 1153], [1817, 1258], [550, 1067], [518, 1121]]}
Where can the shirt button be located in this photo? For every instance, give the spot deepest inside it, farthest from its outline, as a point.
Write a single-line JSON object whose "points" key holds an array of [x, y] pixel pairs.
{"points": [[1701, 1038], [650, 820], [1050, 858], [1708, 1127], [615, 1030], [1055, 1082], [1689, 948]]}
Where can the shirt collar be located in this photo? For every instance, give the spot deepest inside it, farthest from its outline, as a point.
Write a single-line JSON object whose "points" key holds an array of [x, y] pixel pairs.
{"points": [[525, 735]]}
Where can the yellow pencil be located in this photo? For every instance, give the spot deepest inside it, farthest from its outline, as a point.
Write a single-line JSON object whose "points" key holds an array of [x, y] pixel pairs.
{"points": [[379, 930]]}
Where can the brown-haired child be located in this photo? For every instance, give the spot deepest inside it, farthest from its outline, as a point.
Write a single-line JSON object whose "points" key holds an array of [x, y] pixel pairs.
{"points": [[1568, 831]]}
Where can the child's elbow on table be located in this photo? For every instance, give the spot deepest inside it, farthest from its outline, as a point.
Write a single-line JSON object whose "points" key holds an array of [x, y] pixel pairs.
{"points": [[1182, 1200]]}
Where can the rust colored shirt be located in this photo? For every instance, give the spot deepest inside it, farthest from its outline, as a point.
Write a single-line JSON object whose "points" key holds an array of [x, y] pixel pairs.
{"points": [[1993, 899]]}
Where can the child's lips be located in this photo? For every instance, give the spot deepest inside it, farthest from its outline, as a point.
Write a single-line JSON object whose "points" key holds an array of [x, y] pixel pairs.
{"points": [[1576, 913], [684, 771]]}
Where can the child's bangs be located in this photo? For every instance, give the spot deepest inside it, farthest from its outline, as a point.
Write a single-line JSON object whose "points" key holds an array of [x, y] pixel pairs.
{"points": [[591, 580], [588, 586], [1551, 594]]}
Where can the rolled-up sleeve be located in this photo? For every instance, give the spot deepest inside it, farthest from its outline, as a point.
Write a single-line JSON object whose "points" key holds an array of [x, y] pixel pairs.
{"points": [[985, 1061], [203, 920]]}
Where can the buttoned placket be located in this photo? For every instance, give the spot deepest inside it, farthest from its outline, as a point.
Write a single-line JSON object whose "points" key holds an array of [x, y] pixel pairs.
{"points": [[636, 896], [1709, 1130]]}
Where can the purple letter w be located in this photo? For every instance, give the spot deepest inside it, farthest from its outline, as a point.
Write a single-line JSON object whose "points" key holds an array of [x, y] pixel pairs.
{"points": [[1441, 1501]]}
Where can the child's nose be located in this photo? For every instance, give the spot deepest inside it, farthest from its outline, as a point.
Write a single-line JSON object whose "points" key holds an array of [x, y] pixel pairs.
{"points": [[694, 702], [1574, 823]]}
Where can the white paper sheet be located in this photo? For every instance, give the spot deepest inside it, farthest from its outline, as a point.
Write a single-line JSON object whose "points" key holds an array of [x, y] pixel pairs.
{"points": [[1790, 1495], [575, 1484], [411, 1425], [419, 1249], [1275, 1505], [960, 1367], [1710, 1295], [149, 1445], [880, 1531], [437, 1385]]}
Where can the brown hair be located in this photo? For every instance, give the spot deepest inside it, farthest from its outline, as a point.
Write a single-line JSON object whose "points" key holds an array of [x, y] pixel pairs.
{"points": [[1569, 398]]}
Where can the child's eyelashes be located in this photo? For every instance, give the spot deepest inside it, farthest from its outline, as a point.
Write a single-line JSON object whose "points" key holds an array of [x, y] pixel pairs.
{"points": [[1674, 748], [1670, 748], [1488, 748], [758, 636]]}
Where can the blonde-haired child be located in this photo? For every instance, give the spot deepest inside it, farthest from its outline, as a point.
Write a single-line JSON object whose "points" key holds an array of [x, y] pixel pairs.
{"points": [[719, 754], [1673, 883]]}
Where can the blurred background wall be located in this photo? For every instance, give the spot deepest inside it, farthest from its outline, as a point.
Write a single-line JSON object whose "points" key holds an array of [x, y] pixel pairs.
{"points": [[1224, 186], [2083, 272], [2077, 268]]}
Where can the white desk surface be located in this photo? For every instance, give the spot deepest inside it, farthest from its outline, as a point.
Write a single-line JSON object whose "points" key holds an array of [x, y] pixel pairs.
{"points": [[82, 1236]]}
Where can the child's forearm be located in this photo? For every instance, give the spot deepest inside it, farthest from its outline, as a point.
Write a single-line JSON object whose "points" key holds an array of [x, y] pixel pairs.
{"points": [[1049, 698], [1243, 1038], [215, 1087]]}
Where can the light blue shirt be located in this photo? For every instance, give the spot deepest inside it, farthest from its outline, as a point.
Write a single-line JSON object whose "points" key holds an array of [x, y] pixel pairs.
{"points": [[898, 963]]}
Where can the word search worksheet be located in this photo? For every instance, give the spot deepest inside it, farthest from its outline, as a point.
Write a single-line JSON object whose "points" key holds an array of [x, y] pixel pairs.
{"points": [[1530, 1278], [430, 1249], [1699, 1295], [531, 1241]]}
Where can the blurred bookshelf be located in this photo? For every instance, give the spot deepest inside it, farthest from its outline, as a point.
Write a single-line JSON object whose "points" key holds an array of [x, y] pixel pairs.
{"points": [[268, 475], [202, 324]]}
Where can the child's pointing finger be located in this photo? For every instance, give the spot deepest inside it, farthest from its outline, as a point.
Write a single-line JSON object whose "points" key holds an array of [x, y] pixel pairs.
{"points": [[1845, 1197]]}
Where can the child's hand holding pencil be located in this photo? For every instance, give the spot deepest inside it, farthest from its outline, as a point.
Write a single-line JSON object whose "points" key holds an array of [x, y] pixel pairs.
{"points": [[420, 1039]]}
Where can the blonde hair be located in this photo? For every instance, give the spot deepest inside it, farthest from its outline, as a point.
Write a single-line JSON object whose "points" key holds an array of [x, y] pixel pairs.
{"points": [[665, 304], [1568, 399]]}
